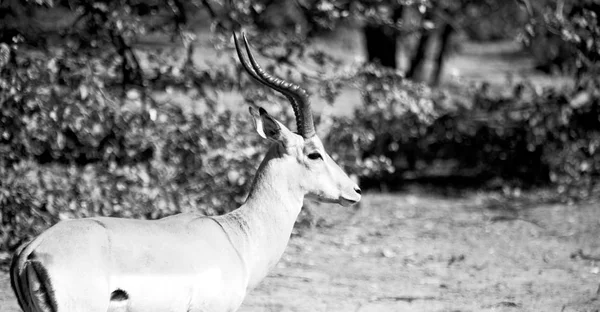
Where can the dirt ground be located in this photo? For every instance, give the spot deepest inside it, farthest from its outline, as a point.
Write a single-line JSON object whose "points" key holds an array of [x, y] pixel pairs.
{"points": [[422, 252]]}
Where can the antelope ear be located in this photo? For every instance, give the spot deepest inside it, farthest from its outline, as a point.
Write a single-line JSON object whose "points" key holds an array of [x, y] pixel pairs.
{"points": [[258, 124], [269, 128]]}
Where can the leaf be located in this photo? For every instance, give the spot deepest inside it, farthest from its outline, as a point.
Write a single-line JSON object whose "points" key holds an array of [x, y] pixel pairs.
{"points": [[428, 25], [4, 54], [60, 141], [52, 66], [580, 99], [83, 92]]}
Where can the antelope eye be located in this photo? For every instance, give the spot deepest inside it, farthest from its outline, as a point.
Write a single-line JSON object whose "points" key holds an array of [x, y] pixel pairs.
{"points": [[315, 156]]}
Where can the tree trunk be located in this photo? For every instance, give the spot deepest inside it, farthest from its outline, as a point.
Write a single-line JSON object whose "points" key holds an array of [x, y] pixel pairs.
{"points": [[439, 61], [381, 47], [418, 59], [381, 42], [416, 62]]}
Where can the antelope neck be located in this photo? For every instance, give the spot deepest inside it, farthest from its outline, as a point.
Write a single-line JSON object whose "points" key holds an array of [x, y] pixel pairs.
{"points": [[261, 228]]}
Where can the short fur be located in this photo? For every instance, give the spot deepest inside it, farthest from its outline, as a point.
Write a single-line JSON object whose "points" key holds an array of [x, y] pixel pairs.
{"points": [[186, 262]]}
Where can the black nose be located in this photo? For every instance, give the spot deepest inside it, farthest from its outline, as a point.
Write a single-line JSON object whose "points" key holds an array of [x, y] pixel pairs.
{"points": [[357, 190]]}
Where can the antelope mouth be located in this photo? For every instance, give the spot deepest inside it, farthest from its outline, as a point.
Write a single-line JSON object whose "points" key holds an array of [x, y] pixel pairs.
{"points": [[343, 201], [346, 202]]}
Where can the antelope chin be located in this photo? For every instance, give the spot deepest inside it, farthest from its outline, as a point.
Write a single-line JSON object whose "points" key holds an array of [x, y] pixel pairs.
{"points": [[346, 202]]}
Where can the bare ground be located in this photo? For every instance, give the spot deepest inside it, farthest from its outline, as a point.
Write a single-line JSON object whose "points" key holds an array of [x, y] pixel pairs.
{"points": [[427, 253], [418, 253]]}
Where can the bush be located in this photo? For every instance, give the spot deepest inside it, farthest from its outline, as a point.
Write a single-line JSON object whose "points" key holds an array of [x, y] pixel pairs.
{"points": [[532, 138], [74, 144], [81, 135], [202, 163], [565, 35], [71, 153], [375, 139]]}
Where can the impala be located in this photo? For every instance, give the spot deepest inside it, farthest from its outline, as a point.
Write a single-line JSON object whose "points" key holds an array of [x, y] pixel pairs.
{"points": [[187, 262]]}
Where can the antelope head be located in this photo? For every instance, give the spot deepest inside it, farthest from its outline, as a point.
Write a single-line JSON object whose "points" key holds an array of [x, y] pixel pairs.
{"points": [[320, 178]]}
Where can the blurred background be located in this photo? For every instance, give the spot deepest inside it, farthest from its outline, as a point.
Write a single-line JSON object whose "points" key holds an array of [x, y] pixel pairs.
{"points": [[484, 113]]}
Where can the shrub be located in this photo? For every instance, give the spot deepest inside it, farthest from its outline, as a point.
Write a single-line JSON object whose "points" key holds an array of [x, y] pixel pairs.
{"points": [[374, 140], [531, 138], [70, 153], [565, 35], [202, 163]]}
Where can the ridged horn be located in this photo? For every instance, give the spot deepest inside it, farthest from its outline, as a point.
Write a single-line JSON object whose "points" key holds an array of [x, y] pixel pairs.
{"points": [[297, 96]]}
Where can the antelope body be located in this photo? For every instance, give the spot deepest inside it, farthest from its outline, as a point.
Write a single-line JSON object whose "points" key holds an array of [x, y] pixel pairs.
{"points": [[187, 262]]}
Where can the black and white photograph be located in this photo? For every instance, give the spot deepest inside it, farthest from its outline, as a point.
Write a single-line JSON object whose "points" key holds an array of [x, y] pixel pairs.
{"points": [[299, 155]]}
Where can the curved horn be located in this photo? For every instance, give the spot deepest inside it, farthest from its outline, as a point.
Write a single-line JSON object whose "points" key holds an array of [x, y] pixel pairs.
{"points": [[297, 96]]}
